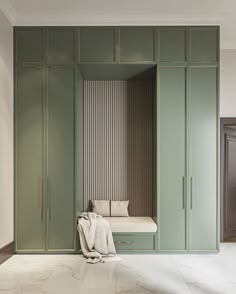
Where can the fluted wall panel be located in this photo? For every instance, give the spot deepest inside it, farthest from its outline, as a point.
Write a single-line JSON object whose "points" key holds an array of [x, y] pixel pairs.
{"points": [[118, 143]]}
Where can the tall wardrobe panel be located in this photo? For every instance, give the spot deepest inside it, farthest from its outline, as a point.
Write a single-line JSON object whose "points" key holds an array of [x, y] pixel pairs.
{"points": [[60, 159], [172, 158], [29, 159], [203, 150]]}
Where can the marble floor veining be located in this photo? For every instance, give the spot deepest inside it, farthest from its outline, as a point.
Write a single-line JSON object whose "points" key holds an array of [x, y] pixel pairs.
{"points": [[133, 274]]}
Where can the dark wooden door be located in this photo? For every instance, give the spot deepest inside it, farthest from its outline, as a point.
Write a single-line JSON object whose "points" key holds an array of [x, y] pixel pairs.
{"points": [[229, 204]]}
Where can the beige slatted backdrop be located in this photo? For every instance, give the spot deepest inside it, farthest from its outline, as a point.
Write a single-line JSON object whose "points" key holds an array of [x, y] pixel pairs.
{"points": [[118, 147]]}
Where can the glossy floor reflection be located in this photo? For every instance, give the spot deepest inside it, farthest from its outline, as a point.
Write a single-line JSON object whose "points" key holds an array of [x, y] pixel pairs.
{"points": [[134, 274]]}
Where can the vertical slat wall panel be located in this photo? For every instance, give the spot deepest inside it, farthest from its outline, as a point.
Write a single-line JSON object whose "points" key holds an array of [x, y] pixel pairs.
{"points": [[118, 143]]}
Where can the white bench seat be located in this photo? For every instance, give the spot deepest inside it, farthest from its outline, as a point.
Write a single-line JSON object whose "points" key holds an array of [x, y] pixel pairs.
{"points": [[132, 224]]}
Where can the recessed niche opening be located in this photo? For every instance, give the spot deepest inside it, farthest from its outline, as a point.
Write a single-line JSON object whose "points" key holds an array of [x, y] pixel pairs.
{"points": [[119, 116]]}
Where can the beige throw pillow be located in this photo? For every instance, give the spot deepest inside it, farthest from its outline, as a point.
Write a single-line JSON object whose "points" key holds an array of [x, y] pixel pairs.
{"points": [[119, 208], [101, 207]]}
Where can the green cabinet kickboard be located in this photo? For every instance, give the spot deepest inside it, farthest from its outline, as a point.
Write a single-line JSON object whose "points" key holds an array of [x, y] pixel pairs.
{"points": [[48, 87]]}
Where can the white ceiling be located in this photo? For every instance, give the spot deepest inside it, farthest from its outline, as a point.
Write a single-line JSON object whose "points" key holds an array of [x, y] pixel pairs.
{"points": [[126, 12]]}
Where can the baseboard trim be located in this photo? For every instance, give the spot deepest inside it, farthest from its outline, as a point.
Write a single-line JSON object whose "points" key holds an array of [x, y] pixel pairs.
{"points": [[6, 252]]}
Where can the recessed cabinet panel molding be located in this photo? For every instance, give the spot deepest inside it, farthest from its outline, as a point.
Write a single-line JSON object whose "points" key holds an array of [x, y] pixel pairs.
{"points": [[203, 143], [172, 45], [204, 45], [137, 44], [29, 160], [29, 45], [60, 48], [60, 159], [96, 45], [171, 145]]}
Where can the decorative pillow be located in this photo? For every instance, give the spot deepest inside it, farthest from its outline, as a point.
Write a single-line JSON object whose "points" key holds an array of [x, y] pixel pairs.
{"points": [[119, 208], [101, 207]]}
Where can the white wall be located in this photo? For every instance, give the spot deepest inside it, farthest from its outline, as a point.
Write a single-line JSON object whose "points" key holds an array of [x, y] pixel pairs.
{"points": [[6, 131], [228, 83]]}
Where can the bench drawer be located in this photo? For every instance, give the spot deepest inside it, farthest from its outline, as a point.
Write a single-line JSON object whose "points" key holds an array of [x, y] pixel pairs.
{"points": [[134, 242]]}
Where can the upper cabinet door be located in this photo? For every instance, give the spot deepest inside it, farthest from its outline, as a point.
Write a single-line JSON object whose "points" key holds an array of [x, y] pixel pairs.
{"points": [[203, 154], [171, 147], [60, 158], [137, 45], [96, 45], [60, 46], [204, 45], [29, 160], [29, 46], [172, 45]]}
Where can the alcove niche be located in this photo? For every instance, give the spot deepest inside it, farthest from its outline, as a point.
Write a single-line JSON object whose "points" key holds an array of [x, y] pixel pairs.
{"points": [[119, 135]]}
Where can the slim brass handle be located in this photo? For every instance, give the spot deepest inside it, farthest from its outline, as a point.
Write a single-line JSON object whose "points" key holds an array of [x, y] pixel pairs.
{"points": [[122, 242], [191, 193], [41, 196], [49, 196], [184, 193]]}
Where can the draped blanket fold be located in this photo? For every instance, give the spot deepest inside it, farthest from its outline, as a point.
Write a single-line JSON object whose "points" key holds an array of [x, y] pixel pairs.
{"points": [[96, 239]]}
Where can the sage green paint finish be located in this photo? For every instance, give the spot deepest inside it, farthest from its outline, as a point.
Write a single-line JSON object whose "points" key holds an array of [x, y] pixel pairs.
{"points": [[60, 48], [79, 143], [29, 165], [92, 71], [96, 45], [172, 114], [137, 44], [203, 132], [134, 242], [60, 159], [30, 45], [172, 45], [204, 47]]}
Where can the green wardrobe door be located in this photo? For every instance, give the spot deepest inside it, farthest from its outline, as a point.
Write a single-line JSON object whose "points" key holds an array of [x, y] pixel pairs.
{"points": [[136, 44], [203, 185], [96, 45], [172, 111], [204, 45], [29, 159], [60, 46], [29, 45], [60, 159], [172, 45]]}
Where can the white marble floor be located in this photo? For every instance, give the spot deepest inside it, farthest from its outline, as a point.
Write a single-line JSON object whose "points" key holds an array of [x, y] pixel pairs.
{"points": [[134, 274]]}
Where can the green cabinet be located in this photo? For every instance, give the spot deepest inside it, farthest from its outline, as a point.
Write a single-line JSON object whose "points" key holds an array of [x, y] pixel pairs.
{"points": [[60, 47], [204, 45], [29, 160], [60, 159], [172, 159], [203, 154], [96, 45], [172, 45], [29, 44], [136, 44], [45, 217], [188, 156]]}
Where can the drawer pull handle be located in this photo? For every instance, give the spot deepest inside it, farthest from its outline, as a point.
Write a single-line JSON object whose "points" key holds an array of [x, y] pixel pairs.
{"points": [[119, 242]]}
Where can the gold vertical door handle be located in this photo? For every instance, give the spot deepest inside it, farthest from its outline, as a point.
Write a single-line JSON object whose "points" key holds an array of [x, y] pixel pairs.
{"points": [[184, 193], [49, 196], [41, 196], [191, 193]]}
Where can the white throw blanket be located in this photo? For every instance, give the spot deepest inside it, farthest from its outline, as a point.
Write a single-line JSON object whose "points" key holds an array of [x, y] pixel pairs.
{"points": [[95, 237]]}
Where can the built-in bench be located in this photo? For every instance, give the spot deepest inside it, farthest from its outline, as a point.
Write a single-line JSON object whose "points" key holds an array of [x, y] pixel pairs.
{"points": [[133, 233]]}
